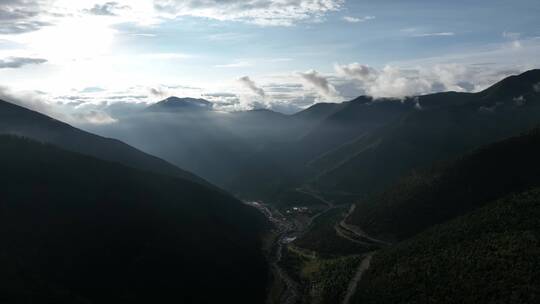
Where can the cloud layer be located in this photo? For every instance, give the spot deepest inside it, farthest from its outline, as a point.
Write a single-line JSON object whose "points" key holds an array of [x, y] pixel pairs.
{"points": [[397, 82], [17, 62], [262, 12], [20, 16]]}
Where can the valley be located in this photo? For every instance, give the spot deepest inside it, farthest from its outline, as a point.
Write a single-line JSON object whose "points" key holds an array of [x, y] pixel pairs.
{"points": [[288, 286], [323, 240], [269, 152], [359, 202]]}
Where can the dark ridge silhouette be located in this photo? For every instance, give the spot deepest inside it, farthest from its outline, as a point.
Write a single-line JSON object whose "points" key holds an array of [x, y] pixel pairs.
{"points": [[347, 151], [448, 190], [76, 229], [23, 122]]}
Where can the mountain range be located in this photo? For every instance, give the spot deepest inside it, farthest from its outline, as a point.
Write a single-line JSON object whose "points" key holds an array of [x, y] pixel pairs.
{"points": [[346, 151], [367, 201], [19, 121], [86, 219], [470, 225]]}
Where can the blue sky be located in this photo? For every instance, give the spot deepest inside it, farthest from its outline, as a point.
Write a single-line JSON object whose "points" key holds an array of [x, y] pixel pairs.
{"points": [[277, 54]]}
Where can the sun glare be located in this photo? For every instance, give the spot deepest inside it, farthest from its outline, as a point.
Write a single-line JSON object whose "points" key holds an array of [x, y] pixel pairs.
{"points": [[73, 39]]}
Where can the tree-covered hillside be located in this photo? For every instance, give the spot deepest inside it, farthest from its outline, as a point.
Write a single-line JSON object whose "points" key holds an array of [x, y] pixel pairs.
{"points": [[443, 126], [16, 120], [489, 256], [448, 190], [76, 229]]}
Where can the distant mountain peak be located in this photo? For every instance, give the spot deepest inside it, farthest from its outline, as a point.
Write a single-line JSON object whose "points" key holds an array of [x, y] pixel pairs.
{"points": [[514, 86], [174, 103]]}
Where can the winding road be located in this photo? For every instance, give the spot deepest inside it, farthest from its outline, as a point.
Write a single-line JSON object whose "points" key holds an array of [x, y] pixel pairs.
{"points": [[343, 229], [287, 231]]}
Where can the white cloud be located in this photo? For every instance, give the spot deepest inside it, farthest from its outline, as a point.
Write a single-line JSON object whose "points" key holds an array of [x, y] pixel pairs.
{"points": [[469, 71], [358, 19], [21, 16], [395, 82], [31, 100], [320, 83], [262, 12], [437, 34], [398, 82], [95, 118]]}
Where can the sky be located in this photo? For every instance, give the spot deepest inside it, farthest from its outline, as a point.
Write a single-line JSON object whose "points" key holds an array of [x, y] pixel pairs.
{"points": [[92, 61]]}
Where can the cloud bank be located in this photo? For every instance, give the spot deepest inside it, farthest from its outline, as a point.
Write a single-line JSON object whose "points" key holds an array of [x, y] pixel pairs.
{"points": [[20, 16], [398, 82], [262, 12], [18, 62], [107, 9]]}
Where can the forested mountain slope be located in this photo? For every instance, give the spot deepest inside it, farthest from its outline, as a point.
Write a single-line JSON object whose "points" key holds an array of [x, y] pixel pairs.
{"points": [[76, 229], [488, 256], [460, 123], [20, 121], [451, 189]]}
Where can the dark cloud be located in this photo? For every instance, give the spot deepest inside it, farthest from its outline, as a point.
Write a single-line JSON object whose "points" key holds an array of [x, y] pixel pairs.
{"points": [[467, 86], [251, 85], [319, 83], [349, 90], [20, 16], [107, 9], [356, 71], [20, 27], [158, 92], [17, 62], [438, 86]]}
